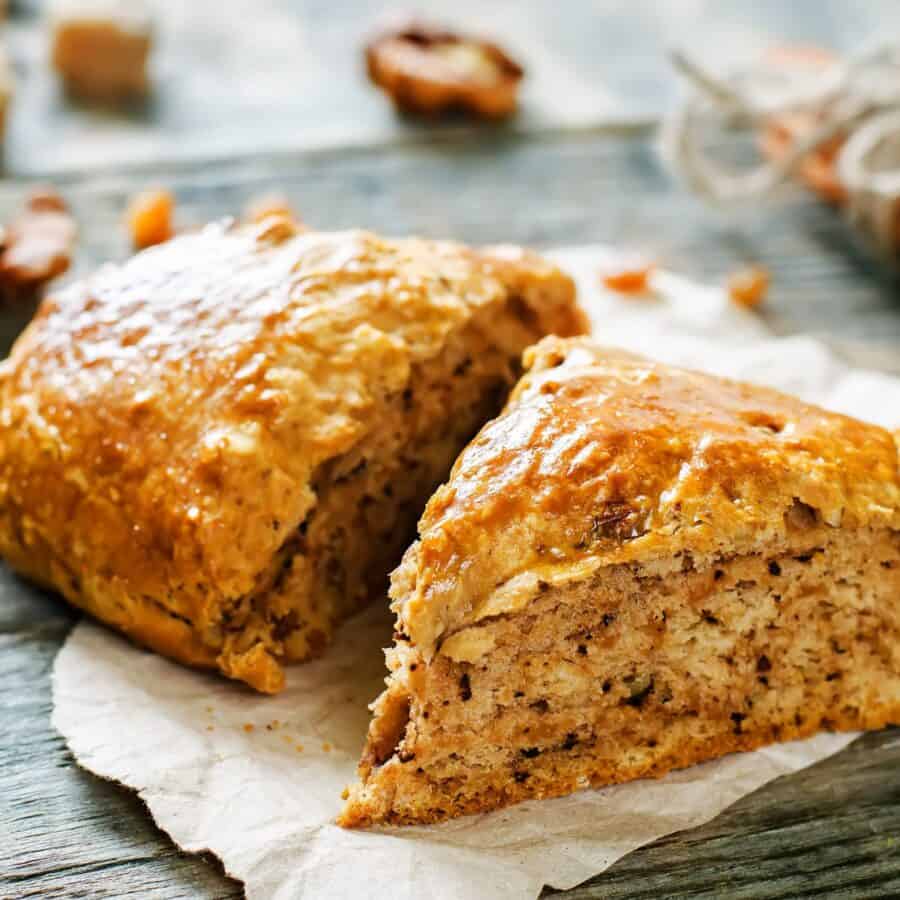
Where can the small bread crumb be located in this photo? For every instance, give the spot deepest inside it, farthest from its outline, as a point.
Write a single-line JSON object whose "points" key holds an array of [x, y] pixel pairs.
{"points": [[748, 287], [210, 727], [628, 276], [150, 218]]}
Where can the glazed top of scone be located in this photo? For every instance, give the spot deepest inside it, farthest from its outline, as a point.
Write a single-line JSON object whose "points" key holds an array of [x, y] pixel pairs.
{"points": [[603, 457], [165, 415]]}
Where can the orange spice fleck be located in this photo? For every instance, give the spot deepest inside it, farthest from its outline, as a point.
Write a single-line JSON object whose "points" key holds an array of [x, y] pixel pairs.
{"points": [[748, 287], [149, 218], [299, 748], [628, 276], [326, 747], [248, 727], [287, 738]]}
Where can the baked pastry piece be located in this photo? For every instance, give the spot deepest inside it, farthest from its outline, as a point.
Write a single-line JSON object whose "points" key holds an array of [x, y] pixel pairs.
{"points": [[100, 48], [632, 569], [221, 447]]}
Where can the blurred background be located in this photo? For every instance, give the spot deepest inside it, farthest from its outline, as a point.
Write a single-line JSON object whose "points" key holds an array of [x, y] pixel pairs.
{"points": [[251, 96], [245, 76]]}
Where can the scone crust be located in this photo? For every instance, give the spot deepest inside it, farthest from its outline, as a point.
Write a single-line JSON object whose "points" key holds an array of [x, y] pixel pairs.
{"points": [[603, 457], [160, 421]]}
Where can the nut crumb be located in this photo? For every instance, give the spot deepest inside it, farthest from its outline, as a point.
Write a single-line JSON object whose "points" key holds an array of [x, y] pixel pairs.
{"points": [[150, 218], [431, 71], [37, 246], [628, 276], [748, 287]]}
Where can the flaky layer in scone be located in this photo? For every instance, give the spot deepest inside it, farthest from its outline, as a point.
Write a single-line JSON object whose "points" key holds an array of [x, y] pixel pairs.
{"points": [[634, 568], [221, 447]]}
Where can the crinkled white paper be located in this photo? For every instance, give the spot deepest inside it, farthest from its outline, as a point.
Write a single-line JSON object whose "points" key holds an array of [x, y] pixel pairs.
{"points": [[258, 780]]}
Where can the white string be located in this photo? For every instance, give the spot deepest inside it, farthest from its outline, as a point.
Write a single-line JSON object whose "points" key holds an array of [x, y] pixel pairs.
{"points": [[858, 96]]}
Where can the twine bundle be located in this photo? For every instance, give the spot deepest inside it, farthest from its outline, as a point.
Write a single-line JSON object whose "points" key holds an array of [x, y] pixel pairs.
{"points": [[854, 101]]}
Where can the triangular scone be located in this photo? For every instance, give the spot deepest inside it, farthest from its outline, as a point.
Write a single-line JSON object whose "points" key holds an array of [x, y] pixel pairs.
{"points": [[221, 447], [632, 569]]}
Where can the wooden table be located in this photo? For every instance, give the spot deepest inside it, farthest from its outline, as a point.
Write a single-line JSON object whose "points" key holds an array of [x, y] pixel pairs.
{"points": [[556, 177]]}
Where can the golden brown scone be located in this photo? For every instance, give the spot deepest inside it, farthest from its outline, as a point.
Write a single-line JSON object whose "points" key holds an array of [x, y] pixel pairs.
{"points": [[431, 71], [221, 446], [632, 569]]}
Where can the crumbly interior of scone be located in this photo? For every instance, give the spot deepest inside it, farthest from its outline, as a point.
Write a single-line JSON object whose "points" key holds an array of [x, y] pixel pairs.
{"points": [[368, 502], [632, 674]]}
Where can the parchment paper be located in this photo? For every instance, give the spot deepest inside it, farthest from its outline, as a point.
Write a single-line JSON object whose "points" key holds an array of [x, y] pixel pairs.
{"points": [[258, 780]]}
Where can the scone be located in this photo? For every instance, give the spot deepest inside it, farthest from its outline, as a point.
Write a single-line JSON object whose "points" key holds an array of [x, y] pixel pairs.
{"points": [[221, 447], [632, 569]]}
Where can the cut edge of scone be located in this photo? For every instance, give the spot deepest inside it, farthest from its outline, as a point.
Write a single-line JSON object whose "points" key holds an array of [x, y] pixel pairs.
{"points": [[633, 569], [248, 549]]}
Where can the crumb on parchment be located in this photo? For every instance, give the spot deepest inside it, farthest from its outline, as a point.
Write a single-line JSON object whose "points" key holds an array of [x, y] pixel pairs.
{"points": [[628, 275], [149, 218], [748, 287]]}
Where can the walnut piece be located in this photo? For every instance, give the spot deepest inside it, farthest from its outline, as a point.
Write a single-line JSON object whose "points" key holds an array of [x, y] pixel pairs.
{"points": [[429, 71], [100, 47], [37, 246], [150, 218]]}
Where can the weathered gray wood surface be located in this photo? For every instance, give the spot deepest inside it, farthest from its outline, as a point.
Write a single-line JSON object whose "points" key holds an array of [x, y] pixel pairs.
{"points": [[237, 76], [833, 830]]}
